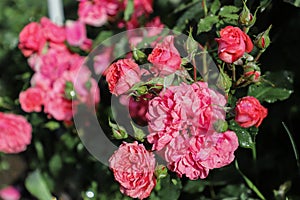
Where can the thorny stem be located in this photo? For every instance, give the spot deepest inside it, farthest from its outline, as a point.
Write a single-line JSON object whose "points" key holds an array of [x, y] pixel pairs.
{"points": [[212, 192], [195, 69], [233, 73]]}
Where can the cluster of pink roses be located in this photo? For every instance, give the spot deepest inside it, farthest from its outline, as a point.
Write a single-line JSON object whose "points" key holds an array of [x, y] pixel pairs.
{"points": [[55, 82]]}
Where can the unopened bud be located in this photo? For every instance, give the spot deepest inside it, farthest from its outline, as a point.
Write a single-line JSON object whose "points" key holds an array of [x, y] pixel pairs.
{"points": [[161, 171], [262, 41], [246, 18], [220, 126], [69, 91], [191, 44], [252, 72], [224, 82], [139, 56]]}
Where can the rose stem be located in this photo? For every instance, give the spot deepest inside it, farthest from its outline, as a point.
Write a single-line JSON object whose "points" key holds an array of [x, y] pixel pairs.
{"points": [[233, 73], [205, 70], [204, 7], [195, 69], [258, 55]]}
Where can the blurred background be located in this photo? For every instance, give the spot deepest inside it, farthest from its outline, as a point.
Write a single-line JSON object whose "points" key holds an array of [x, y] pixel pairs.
{"points": [[276, 163]]}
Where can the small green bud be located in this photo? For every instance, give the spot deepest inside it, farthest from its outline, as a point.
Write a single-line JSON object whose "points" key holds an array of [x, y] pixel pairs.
{"points": [[262, 41], [252, 72], [220, 126], [119, 132], [69, 91], [224, 82], [246, 18], [139, 56], [161, 171], [191, 44]]}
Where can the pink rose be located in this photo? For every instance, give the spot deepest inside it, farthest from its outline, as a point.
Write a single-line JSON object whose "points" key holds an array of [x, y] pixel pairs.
{"points": [[180, 109], [76, 34], [233, 44], [53, 32], [165, 57], [133, 167], [10, 193], [32, 39], [102, 60], [122, 75], [97, 12], [15, 133], [249, 112], [32, 99]]}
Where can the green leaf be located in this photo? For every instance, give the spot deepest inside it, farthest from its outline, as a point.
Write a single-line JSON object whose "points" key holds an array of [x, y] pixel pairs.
{"points": [[128, 10], [55, 164], [186, 17], [182, 7], [206, 24], [170, 189], [293, 2], [226, 10], [215, 6], [246, 136], [103, 35], [278, 86], [52, 125], [194, 186], [36, 185], [138, 133]]}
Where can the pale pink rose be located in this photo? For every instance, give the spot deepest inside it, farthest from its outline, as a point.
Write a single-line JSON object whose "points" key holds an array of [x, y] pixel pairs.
{"points": [[76, 35], [193, 108], [34, 61], [102, 60], [155, 27], [142, 7], [133, 167], [249, 112], [38, 80], [96, 12], [194, 156], [10, 193], [233, 43], [32, 39], [32, 99], [53, 32], [122, 75], [56, 104], [15, 133], [165, 57], [222, 151]]}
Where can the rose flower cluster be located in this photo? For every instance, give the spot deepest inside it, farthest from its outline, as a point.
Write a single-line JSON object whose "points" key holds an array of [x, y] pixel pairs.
{"points": [[183, 119]]}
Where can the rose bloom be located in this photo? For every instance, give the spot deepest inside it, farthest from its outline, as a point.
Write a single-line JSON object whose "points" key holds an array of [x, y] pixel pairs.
{"points": [[32, 99], [76, 34], [133, 167], [249, 112], [233, 43], [194, 156], [165, 57], [10, 193], [53, 32], [184, 108], [122, 75], [15, 133], [32, 39]]}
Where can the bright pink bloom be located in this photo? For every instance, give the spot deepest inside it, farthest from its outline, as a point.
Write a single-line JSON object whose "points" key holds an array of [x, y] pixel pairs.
{"points": [[32, 99], [184, 108], [249, 112], [53, 32], [233, 44], [10, 193], [133, 167], [97, 12], [103, 60], [32, 39], [76, 34], [194, 156], [155, 27], [15, 133], [122, 75], [165, 57]]}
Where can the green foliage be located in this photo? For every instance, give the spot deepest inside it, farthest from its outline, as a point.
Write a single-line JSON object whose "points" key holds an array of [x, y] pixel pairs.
{"points": [[293, 2], [36, 185], [277, 86], [206, 24]]}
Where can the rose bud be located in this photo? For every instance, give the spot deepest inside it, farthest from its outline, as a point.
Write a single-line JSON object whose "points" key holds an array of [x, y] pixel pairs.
{"points": [[246, 18], [161, 171], [262, 41], [191, 44], [252, 72], [220, 126], [249, 112]]}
